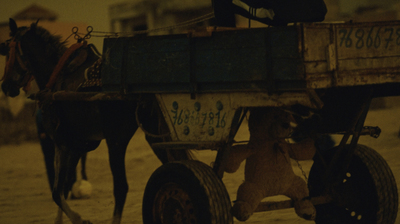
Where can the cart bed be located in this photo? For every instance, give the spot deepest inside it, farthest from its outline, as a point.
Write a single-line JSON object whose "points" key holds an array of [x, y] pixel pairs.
{"points": [[298, 57]]}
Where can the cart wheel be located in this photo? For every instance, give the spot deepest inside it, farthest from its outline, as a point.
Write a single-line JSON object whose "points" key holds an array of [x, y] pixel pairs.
{"points": [[186, 192], [366, 194]]}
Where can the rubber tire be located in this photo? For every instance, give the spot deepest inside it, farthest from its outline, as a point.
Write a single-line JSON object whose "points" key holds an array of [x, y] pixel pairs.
{"points": [[207, 193], [370, 191]]}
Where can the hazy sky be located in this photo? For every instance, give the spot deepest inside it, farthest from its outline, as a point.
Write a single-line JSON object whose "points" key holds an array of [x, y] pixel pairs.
{"points": [[91, 12], [94, 12]]}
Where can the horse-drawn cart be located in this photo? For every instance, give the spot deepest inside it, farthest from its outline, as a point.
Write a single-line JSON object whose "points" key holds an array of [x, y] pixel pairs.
{"points": [[205, 83]]}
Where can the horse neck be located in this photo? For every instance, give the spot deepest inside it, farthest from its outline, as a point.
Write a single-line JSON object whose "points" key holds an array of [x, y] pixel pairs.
{"points": [[43, 64]]}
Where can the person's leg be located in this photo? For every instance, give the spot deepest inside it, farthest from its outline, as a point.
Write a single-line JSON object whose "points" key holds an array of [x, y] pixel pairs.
{"points": [[275, 13], [224, 13]]}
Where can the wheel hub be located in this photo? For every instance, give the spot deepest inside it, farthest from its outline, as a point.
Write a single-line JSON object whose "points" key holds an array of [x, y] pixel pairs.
{"points": [[173, 206]]}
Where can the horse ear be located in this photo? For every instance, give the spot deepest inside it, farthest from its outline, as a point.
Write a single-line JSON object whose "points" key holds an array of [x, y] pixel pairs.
{"points": [[33, 26], [13, 27]]}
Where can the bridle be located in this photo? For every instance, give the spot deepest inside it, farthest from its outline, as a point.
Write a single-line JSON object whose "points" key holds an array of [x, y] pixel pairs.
{"points": [[15, 53]]}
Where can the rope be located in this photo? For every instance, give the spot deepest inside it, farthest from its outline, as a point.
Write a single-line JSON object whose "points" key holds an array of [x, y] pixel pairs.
{"points": [[298, 163], [179, 25], [144, 130]]}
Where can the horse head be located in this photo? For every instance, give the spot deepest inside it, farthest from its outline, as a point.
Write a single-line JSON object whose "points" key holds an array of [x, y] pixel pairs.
{"points": [[31, 52]]}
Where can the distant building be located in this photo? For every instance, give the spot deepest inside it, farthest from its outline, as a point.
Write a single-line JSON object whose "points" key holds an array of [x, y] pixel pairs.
{"points": [[139, 15], [349, 7], [47, 19], [144, 14], [34, 12]]}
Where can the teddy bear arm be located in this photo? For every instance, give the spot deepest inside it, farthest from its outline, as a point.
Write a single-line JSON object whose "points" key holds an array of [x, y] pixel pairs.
{"points": [[237, 154]]}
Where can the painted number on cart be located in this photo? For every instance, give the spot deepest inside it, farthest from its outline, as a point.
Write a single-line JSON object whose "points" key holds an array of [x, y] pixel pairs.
{"points": [[216, 119], [374, 37]]}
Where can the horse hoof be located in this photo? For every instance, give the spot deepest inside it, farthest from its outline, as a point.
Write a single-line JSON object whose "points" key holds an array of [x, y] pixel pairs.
{"points": [[81, 189]]}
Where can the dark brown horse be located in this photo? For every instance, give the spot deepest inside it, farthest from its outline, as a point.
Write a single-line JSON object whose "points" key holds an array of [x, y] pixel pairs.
{"points": [[76, 126]]}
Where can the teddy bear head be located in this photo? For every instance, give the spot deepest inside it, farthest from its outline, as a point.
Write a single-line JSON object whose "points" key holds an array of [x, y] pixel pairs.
{"points": [[270, 123]]}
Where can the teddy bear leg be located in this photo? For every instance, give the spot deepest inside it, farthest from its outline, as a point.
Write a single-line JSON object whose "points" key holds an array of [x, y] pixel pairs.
{"points": [[248, 197], [298, 192]]}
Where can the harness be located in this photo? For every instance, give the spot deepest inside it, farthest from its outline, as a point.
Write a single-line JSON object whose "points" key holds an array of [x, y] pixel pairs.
{"points": [[62, 61], [12, 56], [15, 55]]}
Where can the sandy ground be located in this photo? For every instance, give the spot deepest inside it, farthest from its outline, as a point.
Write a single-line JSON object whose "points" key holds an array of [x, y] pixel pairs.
{"points": [[25, 195]]}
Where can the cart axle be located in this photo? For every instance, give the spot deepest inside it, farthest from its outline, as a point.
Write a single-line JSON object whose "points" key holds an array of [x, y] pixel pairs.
{"points": [[277, 205]]}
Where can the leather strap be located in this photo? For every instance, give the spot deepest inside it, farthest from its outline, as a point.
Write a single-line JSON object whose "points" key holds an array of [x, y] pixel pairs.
{"points": [[62, 62]]}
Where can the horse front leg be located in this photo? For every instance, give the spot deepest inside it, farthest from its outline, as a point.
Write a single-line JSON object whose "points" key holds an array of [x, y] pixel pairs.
{"points": [[83, 170], [65, 165], [116, 152]]}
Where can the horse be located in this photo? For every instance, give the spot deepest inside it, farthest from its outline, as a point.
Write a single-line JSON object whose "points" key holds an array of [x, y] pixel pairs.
{"points": [[77, 127]]}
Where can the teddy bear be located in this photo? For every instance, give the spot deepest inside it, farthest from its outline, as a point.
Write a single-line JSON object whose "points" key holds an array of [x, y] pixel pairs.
{"points": [[268, 169]]}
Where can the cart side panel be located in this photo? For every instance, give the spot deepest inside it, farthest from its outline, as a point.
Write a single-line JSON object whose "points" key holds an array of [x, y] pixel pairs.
{"points": [[222, 58], [248, 55], [352, 54], [113, 63], [161, 62], [309, 55], [209, 117], [249, 59]]}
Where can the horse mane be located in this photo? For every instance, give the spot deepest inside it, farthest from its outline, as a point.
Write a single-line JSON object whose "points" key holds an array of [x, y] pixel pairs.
{"points": [[54, 46]]}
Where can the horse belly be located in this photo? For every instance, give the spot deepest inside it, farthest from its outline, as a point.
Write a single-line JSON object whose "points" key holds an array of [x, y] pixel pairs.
{"points": [[84, 120]]}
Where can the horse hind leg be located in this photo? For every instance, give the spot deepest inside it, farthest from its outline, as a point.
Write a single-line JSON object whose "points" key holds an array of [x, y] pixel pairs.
{"points": [[116, 152], [66, 162]]}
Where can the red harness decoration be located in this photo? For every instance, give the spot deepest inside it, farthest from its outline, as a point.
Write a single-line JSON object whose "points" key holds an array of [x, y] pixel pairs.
{"points": [[11, 60], [12, 55], [62, 61]]}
